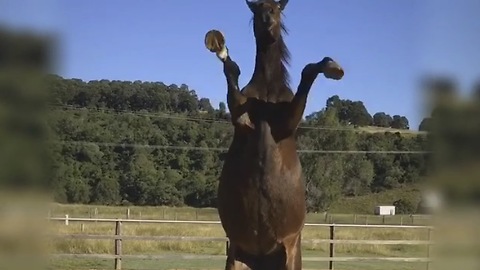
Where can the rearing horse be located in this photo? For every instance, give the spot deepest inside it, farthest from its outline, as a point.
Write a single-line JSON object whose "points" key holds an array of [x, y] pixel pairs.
{"points": [[261, 193]]}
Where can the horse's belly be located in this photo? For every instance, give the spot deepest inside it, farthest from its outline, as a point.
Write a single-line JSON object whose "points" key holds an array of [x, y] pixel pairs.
{"points": [[258, 213]]}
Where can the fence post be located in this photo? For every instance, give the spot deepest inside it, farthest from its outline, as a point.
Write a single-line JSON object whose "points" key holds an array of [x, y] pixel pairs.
{"points": [[95, 214], [128, 213], [66, 219], [429, 246], [118, 245], [332, 247], [355, 219], [227, 246]]}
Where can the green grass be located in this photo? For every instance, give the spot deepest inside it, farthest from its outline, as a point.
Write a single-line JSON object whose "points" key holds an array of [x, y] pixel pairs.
{"points": [[220, 264]]}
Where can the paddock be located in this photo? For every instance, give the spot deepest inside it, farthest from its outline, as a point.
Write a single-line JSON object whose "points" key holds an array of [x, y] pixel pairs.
{"points": [[333, 238]]}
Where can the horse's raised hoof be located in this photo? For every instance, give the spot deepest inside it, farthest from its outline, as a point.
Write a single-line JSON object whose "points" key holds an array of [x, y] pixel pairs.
{"points": [[214, 41], [332, 70]]}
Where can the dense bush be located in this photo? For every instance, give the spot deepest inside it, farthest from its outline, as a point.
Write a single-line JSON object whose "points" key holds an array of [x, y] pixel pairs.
{"points": [[404, 207]]}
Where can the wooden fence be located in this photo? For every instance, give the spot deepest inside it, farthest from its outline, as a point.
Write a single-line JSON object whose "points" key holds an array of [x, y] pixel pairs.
{"points": [[163, 213], [118, 239]]}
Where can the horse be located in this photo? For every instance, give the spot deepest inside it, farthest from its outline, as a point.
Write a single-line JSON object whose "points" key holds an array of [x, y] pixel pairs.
{"points": [[261, 191]]}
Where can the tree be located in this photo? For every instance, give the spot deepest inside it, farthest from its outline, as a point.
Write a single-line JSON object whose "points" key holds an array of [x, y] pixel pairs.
{"points": [[382, 119], [358, 114], [349, 112], [106, 191], [187, 102], [359, 173], [324, 182], [340, 106], [400, 122], [404, 207], [222, 111], [140, 179], [77, 191], [204, 105], [222, 107]]}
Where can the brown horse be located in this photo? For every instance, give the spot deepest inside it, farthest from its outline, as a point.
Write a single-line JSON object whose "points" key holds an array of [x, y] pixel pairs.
{"points": [[261, 194]]}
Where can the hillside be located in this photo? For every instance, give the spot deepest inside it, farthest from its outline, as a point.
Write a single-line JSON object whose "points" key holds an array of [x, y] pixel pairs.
{"points": [[366, 203], [146, 143]]}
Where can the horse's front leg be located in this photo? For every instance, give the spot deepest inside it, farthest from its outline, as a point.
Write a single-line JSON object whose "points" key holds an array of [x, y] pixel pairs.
{"points": [[215, 42], [330, 70]]}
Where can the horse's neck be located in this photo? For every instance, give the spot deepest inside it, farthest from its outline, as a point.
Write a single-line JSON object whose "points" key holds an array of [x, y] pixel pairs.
{"points": [[269, 75], [268, 63]]}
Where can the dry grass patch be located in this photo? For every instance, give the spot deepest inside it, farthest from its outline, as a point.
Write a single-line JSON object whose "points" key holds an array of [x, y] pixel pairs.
{"points": [[215, 230], [366, 234]]}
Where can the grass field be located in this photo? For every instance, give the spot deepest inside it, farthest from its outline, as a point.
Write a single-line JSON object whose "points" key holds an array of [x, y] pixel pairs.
{"points": [[218, 248], [131, 247], [82, 246], [208, 264]]}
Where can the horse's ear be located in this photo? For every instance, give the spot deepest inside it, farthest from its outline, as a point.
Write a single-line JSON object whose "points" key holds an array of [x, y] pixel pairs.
{"points": [[282, 4], [251, 5]]}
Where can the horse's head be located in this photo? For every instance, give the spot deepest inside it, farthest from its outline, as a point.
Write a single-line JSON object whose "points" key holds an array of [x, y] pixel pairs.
{"points": [[267, 24]]}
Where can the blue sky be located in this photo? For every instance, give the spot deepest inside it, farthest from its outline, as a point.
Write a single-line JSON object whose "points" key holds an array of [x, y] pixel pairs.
{"points": [[384, 46]]}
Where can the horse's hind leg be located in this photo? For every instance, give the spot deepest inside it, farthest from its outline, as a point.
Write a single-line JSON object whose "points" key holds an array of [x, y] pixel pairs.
{"points": [[293, 249], [232, 262]]}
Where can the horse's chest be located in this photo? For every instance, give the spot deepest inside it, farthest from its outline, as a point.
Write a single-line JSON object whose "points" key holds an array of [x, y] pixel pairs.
{"points": [[263, 185]]}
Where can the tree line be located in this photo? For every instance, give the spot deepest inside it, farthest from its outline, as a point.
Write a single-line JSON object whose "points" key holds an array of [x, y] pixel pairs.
{"points": [[112, 144]]}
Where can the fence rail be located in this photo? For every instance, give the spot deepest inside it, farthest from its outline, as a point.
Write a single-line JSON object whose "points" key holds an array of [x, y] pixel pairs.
{"points": [[67, 219], [212, 215], [118, 239]]}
